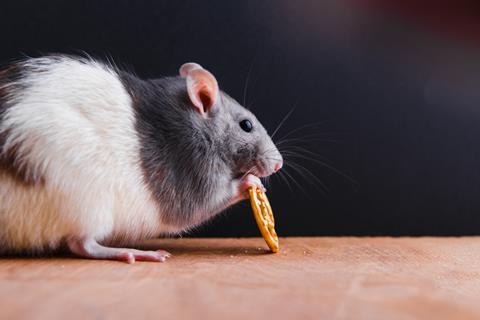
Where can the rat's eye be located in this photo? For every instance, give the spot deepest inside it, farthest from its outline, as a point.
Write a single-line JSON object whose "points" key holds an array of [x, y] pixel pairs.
{"points": [[246, 125]]}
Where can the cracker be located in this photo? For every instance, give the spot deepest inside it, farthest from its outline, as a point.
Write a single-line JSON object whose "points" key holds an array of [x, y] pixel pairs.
{"points": [[262, 211]]}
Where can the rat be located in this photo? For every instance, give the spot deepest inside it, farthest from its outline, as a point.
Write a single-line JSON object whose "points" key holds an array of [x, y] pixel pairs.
{"points": [[95, 159]]}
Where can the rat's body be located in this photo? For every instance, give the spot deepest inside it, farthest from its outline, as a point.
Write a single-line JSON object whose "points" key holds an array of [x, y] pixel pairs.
{"points": [[91, 156]]}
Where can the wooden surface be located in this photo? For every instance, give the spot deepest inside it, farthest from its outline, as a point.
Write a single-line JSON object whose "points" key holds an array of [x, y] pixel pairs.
{"points": [[311, 278]]}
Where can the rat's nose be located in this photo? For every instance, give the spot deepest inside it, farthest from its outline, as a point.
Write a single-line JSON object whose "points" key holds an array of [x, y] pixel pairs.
{"points": [[278, 166]]}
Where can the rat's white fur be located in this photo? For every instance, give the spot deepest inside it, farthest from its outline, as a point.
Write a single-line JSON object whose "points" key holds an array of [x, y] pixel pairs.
{"points": [[73, 124]]}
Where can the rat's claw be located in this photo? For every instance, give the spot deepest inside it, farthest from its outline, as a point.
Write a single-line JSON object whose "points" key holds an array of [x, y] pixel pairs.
{"points": [[129, 257], [253, 181], [247, 182]]}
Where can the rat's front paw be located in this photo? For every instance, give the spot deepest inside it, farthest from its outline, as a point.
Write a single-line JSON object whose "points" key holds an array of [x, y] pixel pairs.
{"points": [[245, 183]]}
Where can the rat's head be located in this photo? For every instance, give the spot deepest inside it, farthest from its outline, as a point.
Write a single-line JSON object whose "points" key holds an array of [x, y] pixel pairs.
{"points": [[237, 135]]}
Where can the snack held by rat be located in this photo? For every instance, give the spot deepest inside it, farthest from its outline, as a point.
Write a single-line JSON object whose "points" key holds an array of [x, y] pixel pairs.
{"points": [[262, 211]]}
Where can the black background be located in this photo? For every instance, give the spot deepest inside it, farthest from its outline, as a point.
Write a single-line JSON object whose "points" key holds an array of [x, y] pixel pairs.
{"points": [[394, 104]]}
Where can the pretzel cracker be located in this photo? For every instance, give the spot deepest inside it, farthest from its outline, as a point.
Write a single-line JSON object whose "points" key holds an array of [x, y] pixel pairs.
{"points": [[262, 211]]}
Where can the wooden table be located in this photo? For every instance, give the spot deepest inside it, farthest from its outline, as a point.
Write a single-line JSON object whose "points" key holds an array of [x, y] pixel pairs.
{"points": [[311, 278]]}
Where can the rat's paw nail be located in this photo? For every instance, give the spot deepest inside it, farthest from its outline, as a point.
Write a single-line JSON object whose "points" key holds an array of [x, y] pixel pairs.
{"points": [[253, 181], [163, 254], [246, 183], [130, 258]]}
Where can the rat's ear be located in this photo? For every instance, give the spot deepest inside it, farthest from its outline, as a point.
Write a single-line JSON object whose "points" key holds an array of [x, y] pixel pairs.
{"points": [[202, 86]]}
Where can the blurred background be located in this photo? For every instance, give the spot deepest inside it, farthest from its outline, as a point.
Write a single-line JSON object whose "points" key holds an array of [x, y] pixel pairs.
{"points": [[382, 135]]}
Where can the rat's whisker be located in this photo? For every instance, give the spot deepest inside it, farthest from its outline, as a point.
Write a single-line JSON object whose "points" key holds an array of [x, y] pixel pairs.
{"points": [[337, 171], [303, 176], [297, 150], [273, 159], [283, 178], [303, 170], [247, 79], [296, 182], [314, 157], [265, 181], [248, 172], [306, 126], [311, 138], [284, 119], [274, 149], [308, 135]]}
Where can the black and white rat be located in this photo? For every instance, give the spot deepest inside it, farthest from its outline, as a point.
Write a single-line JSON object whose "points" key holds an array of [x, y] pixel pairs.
{"points": [[96, 159]]}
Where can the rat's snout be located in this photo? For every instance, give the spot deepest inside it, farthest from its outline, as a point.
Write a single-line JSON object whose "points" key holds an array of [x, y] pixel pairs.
{"points": [[270, 161], [277, 166], [276, 162]]}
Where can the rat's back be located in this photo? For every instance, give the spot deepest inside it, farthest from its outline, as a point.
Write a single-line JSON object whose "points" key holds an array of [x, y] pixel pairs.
{"points": [[68, 156]]}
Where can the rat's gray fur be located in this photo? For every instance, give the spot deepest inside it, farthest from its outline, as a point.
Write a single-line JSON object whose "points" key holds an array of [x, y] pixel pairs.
{"points": [[191, 163]]}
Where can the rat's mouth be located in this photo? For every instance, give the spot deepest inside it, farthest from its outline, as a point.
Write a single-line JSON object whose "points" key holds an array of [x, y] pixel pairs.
{"points": [[257, 170], [260, 170]]}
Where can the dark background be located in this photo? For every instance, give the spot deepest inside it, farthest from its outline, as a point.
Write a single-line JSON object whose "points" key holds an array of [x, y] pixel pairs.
{"points": [[392, 101]]}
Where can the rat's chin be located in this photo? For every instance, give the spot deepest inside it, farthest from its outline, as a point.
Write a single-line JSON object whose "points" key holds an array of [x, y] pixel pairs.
{"points": [[261, 172], [258, 170]]}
